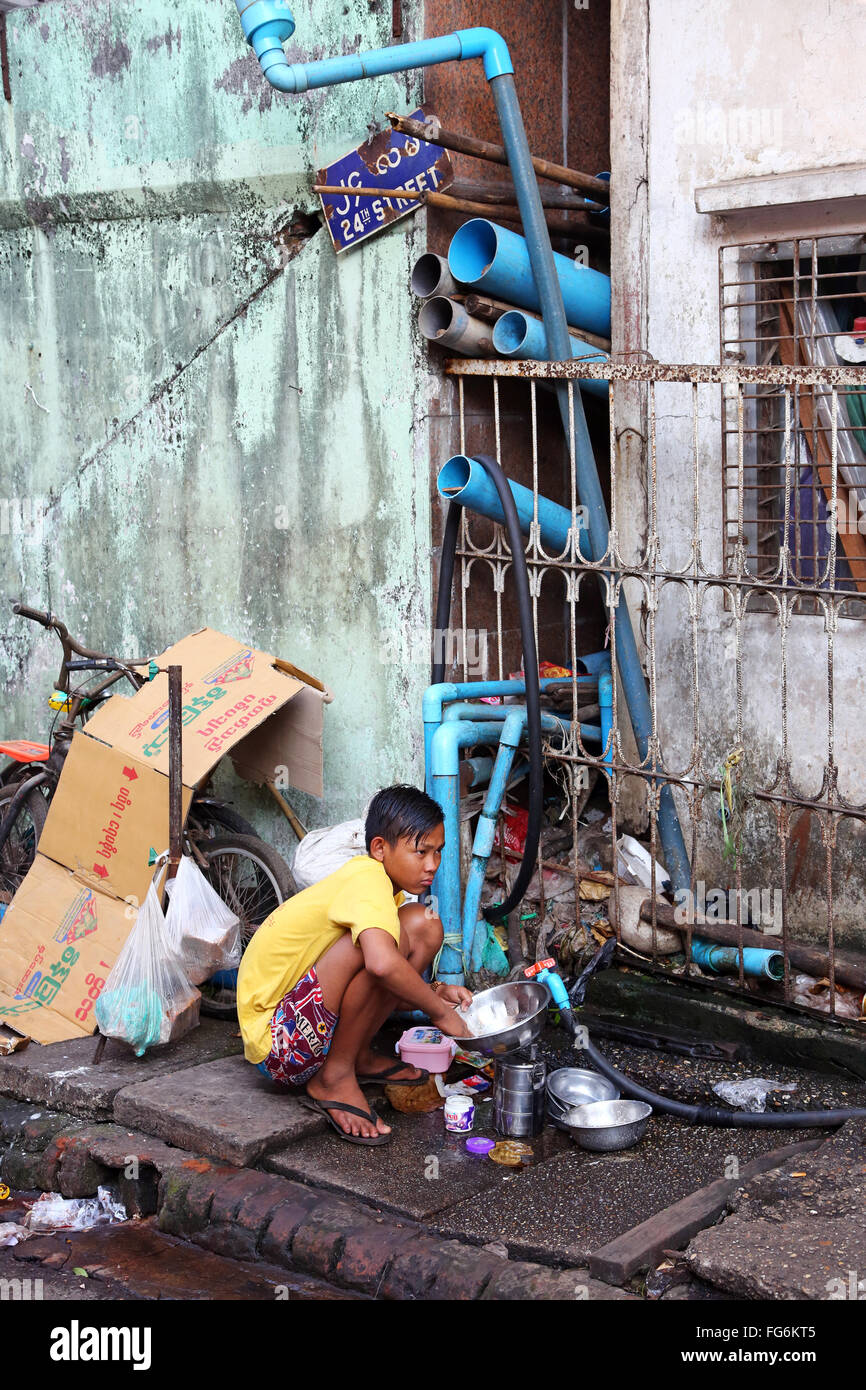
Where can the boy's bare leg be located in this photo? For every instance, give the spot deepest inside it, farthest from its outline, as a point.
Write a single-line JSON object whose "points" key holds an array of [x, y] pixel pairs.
{"points": [[424, 931], [363, 1006]]}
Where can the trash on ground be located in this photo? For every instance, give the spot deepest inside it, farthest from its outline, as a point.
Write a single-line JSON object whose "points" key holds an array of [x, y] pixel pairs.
{"points": [[469, 1086], [414, 1100], [751, 1093], [11, 1233], [634, 864], [51, 1212]]}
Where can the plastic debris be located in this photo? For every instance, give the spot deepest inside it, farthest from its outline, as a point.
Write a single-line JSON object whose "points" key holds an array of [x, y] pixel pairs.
{"points": [[751, 1093], [11, 1233], [201, 929], [147, 997], [51, 1212]]}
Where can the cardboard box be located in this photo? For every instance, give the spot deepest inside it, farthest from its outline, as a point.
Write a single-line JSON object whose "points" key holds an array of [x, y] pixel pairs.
{"points": [[230, 690], [58, 940], [107, 814], [72, 913]]}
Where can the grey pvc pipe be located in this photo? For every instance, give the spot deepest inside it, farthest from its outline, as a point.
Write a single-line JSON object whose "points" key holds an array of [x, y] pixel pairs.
{"points": [[430, 275], [447, 323]]}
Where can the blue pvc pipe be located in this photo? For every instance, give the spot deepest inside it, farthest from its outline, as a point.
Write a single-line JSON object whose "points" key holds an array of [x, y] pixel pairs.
{"points": [[268, 23], [463, 480], [497, 262], [501, 713], [605, 704], [725, 960], [512, 731], [445, 748], [435, 697], [522, 337]]}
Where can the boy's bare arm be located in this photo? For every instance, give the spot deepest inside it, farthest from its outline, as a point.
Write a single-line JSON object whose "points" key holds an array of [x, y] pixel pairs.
{"points": [[383, 959]]}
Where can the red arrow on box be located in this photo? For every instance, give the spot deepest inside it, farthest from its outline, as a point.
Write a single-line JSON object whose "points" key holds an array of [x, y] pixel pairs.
{"points": [[131, 773], [101, 870]]}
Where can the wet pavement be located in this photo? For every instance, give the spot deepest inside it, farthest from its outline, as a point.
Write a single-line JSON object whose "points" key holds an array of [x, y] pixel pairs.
{"points": [[558, 1209], [135, 1260]]}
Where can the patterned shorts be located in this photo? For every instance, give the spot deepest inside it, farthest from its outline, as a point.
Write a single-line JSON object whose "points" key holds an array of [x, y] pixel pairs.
{"points": [[301, 1033]]}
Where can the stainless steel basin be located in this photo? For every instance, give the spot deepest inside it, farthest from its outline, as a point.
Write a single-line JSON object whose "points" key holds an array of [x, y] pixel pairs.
{"points": [[505, 1018], [605, 1125], [572, 1086]]}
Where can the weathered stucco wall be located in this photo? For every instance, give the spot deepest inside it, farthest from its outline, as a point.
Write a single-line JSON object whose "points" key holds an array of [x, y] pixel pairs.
{"points": [[712, 97], [220, 427]]}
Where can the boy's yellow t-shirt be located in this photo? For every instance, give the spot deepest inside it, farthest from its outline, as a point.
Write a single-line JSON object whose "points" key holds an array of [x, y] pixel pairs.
{"points": [[357, 895]]}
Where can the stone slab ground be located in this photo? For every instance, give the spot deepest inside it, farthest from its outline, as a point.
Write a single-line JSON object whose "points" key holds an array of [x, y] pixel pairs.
{"points": [[224, 1108], [797, 1232], [63, 1076], [409, 1220], [252, 1216]]}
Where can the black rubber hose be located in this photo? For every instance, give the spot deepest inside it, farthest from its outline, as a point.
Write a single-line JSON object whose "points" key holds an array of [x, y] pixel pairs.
{"points": [[712, 1115], [530, 666], [443, 594]]}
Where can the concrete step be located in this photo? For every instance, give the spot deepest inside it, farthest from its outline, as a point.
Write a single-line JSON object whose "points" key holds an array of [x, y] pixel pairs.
{"points": [[64, 1077], [225, 1109]]}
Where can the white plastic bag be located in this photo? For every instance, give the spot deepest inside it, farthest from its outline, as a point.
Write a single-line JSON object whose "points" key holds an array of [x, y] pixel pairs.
{"points": [[751, 1093], [201, 929], [147, 997], [51, 1212], [321, 852]]}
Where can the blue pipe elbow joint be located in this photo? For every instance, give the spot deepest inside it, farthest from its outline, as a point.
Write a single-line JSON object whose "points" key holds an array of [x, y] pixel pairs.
{"points": [[267, 24]]}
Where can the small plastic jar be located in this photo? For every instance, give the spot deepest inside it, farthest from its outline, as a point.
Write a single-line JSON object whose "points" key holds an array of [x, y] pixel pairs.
{"points": [[459, 1114]]}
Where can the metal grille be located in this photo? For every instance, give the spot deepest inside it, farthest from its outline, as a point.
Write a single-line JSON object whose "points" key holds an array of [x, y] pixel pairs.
{"points": [[790, 752], [787, 303]]}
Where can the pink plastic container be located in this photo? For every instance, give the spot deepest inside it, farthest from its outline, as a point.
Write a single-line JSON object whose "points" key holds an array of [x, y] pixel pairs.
{"points": [[426, 1047]]}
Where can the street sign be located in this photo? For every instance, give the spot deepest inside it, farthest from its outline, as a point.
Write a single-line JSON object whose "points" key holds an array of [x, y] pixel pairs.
{"points": [[388, 160]]}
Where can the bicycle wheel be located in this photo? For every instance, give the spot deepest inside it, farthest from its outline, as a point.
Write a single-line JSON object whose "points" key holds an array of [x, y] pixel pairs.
{"points": [[252, 879], [213, 818], [19, 851]]}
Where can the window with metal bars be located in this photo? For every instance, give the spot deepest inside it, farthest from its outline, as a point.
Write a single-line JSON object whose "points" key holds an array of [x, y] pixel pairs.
{"points": [[794, 462]]}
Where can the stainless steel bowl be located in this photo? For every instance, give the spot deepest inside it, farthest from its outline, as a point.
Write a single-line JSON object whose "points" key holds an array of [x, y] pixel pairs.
{"points": [[604, 1125], [572, 1086], [505, 1018]]}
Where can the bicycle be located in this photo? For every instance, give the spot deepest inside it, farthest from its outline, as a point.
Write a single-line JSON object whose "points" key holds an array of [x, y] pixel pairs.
{"points": [[249, 875]]}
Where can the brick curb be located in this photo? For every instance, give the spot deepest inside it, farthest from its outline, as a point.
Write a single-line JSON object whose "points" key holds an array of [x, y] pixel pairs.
{"points": [[247, 1214]]}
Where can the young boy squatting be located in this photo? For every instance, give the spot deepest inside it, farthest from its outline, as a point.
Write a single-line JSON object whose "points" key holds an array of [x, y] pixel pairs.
{"points": [[323, 972]]}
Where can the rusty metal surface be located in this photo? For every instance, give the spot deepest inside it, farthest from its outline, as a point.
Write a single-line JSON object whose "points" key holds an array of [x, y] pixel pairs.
{"points": [[803, 825], [699, 373], [562, 72]]}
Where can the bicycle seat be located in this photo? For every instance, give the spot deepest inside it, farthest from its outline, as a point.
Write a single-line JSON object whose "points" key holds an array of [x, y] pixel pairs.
{"points": [[22, 751]]}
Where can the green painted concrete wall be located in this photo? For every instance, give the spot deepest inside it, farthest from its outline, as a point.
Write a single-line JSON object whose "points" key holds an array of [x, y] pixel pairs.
{"points": [[219, 434]]}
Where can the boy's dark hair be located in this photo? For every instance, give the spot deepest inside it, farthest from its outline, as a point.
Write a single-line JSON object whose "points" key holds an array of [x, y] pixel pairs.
{"points": [[401, 810]]}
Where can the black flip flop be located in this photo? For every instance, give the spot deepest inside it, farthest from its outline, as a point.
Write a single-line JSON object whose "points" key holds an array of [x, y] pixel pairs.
{"points": [[383, 1077], [322, 1107]]}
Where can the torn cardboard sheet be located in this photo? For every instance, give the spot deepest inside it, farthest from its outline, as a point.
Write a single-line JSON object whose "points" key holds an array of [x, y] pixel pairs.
{"points": [[72, 913]]}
